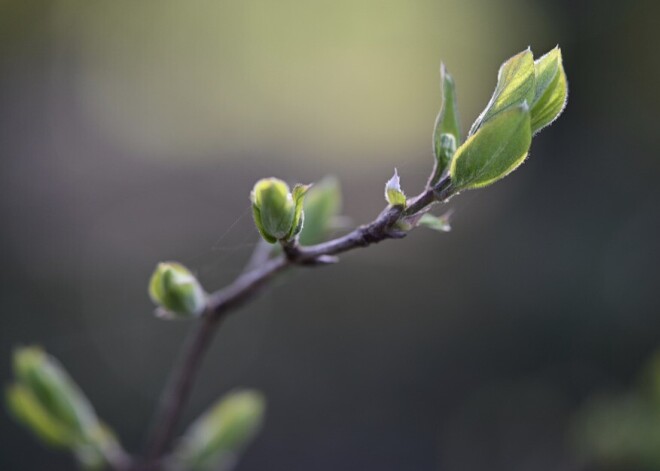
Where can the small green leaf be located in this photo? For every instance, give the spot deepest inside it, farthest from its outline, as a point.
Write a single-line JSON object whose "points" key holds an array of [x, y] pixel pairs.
{"points": [[322, 207], [436, 223], [54, 389], [214, 440], [393, 193], [551, 90], [496, 149], [175, 289], [515, 85], [447, 121], [446, 150], [298, 195]]}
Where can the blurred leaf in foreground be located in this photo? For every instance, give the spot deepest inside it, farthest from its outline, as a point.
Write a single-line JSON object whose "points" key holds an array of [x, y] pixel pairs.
{"points": [[216, 439], [46, 401], [622, 430]]}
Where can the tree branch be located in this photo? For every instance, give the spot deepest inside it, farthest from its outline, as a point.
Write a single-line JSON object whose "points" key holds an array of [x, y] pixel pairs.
{"points": [[247, 286]]}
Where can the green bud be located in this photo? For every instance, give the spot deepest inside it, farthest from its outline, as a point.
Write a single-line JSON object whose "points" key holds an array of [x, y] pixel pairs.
{"points": [[45, 400], [215, 439], [551, 90], [393, 193], [515, 85], [176, 291], [322, 208], [278, 213], [495, 150]]}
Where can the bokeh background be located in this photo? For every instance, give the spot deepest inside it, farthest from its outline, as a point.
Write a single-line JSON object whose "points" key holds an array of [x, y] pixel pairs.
{"points": [[132, 132]]}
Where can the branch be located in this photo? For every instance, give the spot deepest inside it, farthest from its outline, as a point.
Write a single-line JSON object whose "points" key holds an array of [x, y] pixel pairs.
{"points": [[248, 285]]}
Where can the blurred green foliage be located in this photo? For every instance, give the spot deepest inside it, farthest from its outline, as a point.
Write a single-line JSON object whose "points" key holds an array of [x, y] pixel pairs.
{"points": [[47, 402], [214, 441], [623, 431]]}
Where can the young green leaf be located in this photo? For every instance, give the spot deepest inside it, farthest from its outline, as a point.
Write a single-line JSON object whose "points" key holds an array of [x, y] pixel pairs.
{"points": [[214, 440], [175, 289], [446, 150], [436, 223], [494, 151], [46, 400], [447, 121], [27, 410], [298, 196], [515, 85], [322, 207], [54, 389], [551, 90], [393, 193]]}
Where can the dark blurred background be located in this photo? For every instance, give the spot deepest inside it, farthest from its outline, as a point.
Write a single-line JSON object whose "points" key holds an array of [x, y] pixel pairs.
{"points": [[132, 132]]}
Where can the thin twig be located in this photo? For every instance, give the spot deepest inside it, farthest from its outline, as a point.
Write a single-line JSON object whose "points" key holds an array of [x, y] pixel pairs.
{"points": [[247, 285], [178, 388]]}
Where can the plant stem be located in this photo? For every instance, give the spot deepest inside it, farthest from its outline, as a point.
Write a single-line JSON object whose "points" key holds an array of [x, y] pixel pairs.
{"points": [[178, 388], [244, 288]]}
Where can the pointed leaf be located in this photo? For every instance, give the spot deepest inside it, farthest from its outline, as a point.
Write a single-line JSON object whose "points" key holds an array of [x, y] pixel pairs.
{"points": [[447, 126], [298, 194], [28, 411], [551, 90], [47, 401], [436, 223], [497, 149], [447, 121], [54, 389], [214, 441], [515, 84]]}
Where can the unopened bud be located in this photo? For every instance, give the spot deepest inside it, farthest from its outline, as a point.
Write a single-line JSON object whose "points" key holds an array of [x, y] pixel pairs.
{"points": [[394, 195], [176, 290], [278, 212]]}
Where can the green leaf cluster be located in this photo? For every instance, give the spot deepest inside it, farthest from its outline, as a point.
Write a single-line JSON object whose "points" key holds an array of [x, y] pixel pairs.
{"points": [[46, 401], [529, 96]]}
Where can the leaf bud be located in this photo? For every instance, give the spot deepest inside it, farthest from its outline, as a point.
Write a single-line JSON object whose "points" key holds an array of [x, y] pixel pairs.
{"points": [[394, 195], [278, 212], [176, 290]]}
